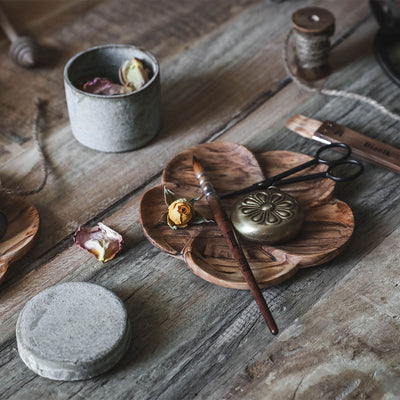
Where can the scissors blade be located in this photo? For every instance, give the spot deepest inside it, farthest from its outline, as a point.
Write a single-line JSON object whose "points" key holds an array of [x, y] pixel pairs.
{"points": [[257, 186], [270, 181]]}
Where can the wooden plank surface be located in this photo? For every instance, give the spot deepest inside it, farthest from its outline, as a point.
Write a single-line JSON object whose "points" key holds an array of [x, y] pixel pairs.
{"points": [[222, 79], [358, 357]]}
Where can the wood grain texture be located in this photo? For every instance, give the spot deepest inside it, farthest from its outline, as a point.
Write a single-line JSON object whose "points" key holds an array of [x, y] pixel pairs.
{"points": [[222, 81], [23, 225], [360, 357]]}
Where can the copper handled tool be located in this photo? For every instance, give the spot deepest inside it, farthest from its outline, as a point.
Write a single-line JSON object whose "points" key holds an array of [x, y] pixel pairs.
{"points": [[227, 230], [364, 147], [23, 50]]}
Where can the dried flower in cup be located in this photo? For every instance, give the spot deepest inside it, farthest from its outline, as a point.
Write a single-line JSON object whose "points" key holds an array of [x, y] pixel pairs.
{"points": [[105, 86], [181, 211], [132, 76]]}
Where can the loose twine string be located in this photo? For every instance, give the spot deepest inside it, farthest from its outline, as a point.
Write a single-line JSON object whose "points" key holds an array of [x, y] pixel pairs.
{"points": [[44, 166], [313, 51]]}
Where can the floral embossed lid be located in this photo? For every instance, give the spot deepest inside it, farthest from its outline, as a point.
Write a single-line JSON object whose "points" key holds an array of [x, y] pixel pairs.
{"points": [[268, 216]]}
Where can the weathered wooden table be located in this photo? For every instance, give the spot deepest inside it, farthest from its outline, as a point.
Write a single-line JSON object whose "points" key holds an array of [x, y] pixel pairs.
{"points": [[222, 80]]}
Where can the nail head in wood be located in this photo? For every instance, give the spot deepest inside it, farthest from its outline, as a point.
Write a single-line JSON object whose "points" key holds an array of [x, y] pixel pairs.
{"points": [[314, 21]]}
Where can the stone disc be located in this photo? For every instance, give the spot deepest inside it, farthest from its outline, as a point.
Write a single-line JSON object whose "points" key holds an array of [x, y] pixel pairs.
{"points": [[73, 331]]}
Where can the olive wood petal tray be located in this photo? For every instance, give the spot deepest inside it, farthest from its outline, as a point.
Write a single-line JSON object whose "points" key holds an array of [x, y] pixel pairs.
{"points": [[329, 222], [23, 225]]}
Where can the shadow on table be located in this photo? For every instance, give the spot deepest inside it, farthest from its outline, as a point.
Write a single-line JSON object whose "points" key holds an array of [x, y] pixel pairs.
{"points": [[348, 52], [145, 319], [207, 100]]}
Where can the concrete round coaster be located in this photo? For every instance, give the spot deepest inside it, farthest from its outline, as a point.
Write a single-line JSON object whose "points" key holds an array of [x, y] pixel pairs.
{"points": [[73, 331]]}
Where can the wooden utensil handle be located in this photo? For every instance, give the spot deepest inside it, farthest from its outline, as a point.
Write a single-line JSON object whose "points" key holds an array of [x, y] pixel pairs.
{"points": [[3, 270], [227, 230], [8, 29], [364, 147]]}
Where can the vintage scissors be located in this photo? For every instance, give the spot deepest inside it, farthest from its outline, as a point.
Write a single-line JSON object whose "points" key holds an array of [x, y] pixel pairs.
{"points": [[388, 16], [334, 155]]}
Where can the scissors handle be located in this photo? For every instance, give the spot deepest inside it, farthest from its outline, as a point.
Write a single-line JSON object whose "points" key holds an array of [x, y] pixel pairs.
{"points": [[354, 170], [336, 172], [332, 153]]}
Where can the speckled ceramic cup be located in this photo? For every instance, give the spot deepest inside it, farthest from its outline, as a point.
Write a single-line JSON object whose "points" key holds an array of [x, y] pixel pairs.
{"points": [[112, 123]]}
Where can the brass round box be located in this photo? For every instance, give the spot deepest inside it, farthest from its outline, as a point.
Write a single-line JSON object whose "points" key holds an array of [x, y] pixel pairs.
{"points": [[268, 216]]}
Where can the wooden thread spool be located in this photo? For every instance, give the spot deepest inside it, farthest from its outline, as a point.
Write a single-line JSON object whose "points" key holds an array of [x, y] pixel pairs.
{"points": [[24, 50], [312, 27]]}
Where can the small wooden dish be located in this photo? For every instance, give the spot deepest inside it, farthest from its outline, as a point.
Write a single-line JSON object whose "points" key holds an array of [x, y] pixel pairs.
{"points": [[329, 222], [23, 225]]}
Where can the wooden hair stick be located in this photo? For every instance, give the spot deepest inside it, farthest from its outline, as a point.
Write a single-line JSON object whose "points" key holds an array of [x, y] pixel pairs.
{"points": [[226, 227]]}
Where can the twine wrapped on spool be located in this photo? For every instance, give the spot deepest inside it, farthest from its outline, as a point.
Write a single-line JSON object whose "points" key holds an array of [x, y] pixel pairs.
{"points": [[313, 27]]}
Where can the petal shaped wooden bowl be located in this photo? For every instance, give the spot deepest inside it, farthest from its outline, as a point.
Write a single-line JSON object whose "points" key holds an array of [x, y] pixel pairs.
{"points": [[329, 222], [23, 225]]}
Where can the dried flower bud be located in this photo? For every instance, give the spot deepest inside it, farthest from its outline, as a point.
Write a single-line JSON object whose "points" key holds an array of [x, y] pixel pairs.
{"points": [[105, 86], [100, 240], [180, 213], [133, 74]]}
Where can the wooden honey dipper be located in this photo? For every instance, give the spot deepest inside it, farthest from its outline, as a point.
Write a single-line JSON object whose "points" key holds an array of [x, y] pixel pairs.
{"points": [[24, 50]]}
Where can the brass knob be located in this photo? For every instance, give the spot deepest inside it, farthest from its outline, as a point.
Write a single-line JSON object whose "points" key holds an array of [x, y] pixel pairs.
{"points": [[268, 216]]}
